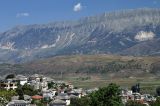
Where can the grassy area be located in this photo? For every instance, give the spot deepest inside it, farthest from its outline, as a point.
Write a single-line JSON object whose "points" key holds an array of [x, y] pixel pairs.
{"points": [[148, 85]]}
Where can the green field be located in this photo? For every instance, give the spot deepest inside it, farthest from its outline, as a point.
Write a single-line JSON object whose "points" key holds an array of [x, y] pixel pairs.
{"points": [[147, 84]]}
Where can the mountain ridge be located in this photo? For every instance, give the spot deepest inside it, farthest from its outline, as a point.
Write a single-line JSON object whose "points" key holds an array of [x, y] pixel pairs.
{"points": [[121, 32]]}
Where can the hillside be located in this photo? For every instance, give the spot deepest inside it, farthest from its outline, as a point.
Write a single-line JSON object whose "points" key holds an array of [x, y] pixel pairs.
{"points": [[120, 32], [110, 65]]}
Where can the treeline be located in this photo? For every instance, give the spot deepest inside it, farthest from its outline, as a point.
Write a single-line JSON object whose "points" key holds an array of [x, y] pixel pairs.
{"points": [[113, 66]]}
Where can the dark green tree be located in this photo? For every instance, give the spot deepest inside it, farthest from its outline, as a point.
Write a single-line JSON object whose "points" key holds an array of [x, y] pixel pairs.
{"points": [[106, 96], [136, 88], [20, 93], [51, 85], [10, 76], [84, 101], [158, 91], [29, 90]]}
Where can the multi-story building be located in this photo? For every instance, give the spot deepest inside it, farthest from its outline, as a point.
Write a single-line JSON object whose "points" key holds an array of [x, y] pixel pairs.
{"points": [[8, 84], [38, 81]]}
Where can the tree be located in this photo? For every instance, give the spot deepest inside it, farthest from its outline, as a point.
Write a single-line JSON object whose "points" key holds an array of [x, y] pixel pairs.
{"points": [[84, 101], [135, 88], [20, 93], [158, 91], [29, 90], [10, 76], [106, 96], [51, 85]]}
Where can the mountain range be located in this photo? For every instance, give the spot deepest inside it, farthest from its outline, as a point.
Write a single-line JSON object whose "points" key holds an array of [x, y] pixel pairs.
{"points": [[127, 32]]}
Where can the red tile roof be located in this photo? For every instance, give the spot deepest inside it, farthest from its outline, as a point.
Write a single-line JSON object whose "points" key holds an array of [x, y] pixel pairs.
{"points": [[37, 97]]}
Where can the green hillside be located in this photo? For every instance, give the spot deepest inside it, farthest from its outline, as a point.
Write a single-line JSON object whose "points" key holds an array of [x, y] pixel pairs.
{"points": [[110, 65]]}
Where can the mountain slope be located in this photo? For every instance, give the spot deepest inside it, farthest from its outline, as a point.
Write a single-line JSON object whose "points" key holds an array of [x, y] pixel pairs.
{"points": [[117, 66], [110, 33]]}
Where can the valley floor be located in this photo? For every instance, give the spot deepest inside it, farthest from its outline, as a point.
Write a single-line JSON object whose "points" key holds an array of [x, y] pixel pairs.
{"points": [[147, 84]]}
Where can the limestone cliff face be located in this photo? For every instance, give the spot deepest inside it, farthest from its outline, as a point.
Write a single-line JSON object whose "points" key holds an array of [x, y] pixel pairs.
{"points": [[120, 32]]}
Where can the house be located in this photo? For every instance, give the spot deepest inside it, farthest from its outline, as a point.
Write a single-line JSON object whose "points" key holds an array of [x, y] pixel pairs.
{"points": [[8, 84], [37, 97], [136, 96], [57, 102], [76, 92], [69, 85], [91, 90], [35, 77], [18, 103], [44, 83], [38, 82], [64, 97], [73, 96], [26, 98], [21, 79], [126, 95], [148, 98], [48, 94]]}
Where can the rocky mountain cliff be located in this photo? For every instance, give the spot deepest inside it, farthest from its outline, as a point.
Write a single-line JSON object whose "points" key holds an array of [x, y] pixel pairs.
{"points": [[127, 32]]}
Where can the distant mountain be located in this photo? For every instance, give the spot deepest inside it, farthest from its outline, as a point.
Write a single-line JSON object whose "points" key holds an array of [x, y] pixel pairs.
{"points": [[127, 32]]}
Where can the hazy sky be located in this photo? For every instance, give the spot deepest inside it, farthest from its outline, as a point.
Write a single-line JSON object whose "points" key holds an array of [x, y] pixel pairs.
{"points": [[21, 12]]}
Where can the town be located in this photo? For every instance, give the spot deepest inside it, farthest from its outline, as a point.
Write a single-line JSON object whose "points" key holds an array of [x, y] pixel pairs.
{"points": [[39, 90]]}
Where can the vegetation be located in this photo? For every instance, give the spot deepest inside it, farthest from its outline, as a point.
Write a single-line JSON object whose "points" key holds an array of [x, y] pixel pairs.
{"points": [[3, 101], [10, 76], [20, 93], [134, 103], [25, 90], [105, 96], [84, 101], [29, 90], [156, 103], [7, 94], [135, 88], [38, 102], [89, 64], [51, 85], [158, 91]]}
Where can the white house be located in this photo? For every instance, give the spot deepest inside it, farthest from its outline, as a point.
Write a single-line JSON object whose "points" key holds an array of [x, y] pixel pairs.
{"points": [[22, 79], [8, 84], [48, 94]]}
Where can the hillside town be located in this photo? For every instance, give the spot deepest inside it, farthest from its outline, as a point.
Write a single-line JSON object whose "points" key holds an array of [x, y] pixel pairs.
{"points": [[39, 90]]}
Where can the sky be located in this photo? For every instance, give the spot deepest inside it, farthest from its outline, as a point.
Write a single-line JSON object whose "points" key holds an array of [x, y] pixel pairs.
{"points": [[24, 12]]}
